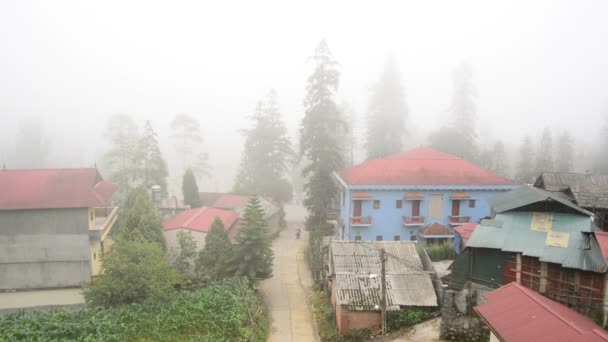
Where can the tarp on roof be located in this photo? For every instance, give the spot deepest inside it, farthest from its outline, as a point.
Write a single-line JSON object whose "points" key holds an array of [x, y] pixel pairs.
{"points": [[357, 267], [518, 314], [512, 232], [527, 195]]}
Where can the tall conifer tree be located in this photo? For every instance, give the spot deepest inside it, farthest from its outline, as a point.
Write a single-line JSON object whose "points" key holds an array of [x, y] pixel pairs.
{"points": [[213, 260], [544, 156], [190, 190], [140, 220], [266, 155], [600, 164], [565, 153], [387, 113], [525, 167], [253, 254], [152, 167], [464, 112], [318, 142]]}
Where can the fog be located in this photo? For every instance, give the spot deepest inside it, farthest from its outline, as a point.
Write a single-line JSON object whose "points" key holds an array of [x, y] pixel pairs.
{"points": [[73, 64]]}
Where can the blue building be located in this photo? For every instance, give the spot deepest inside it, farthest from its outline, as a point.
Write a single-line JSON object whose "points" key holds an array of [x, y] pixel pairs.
{"points": [[391, 198]]}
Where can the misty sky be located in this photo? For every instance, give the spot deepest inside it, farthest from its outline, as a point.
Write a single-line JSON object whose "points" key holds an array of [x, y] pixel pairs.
{"points": [[72, 64]]}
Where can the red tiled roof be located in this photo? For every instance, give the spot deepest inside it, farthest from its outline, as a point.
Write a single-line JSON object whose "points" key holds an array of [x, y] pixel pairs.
{"points": [[602, 240], [465, 231], [421, 166], [435, 229], [54, 188], [230, 201], [516, 313], [200, 219]]}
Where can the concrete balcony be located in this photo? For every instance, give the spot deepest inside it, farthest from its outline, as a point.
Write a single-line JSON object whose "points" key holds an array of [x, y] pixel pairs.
{"points": [[104, 221], [459, 220], [361, 221], [413, 220]]}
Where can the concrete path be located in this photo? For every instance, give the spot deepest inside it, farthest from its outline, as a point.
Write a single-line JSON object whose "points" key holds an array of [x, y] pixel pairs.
{"points": [[286, 293]]}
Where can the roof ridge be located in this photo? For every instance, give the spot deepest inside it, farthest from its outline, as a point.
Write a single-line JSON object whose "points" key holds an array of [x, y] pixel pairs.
{"points": [[195, 216], [525, 290]]}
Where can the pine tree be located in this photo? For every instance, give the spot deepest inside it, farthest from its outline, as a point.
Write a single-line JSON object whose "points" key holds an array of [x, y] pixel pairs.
{"points": [[188, 143], [544, 156], [140, 220], [525, 167], [600, 164], [500, 162], [214, 260], [318, 142], [266, 156], [121, 160], [190, 190], [185, 254], [253, 255], [565, 153], [464, 112], [152, 167], [387, 113]]}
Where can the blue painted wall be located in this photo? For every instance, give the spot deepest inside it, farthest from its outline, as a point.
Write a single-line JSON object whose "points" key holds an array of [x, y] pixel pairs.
{"points": [[387, 221]]}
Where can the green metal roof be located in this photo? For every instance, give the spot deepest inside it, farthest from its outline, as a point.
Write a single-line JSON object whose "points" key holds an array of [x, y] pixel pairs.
{"points": [[526, 195], [511, 232]]}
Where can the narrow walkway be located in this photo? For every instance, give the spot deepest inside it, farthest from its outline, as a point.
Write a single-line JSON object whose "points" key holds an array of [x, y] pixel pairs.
{"points": [[286, 293]]}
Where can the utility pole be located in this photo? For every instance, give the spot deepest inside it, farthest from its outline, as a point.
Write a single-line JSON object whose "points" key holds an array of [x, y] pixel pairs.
{"points": [[383, 282]]}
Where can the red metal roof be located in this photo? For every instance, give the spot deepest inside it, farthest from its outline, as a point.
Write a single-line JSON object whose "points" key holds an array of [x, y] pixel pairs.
{"points": [[421, 166], [54, 188], [516, 313], [230, 201], [465, 231], [200, 219], [602, 240]]}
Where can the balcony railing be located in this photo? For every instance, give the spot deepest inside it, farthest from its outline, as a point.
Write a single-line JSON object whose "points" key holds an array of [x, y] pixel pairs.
{"points": [[460, 219], [413, 220], [361, 220], [104, 221]]}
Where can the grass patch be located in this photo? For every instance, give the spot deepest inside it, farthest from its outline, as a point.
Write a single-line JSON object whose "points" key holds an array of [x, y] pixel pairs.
{"points": [[438, 252], [324, 317]]}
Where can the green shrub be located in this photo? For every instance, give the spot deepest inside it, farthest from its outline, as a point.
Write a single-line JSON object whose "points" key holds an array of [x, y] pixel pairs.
{"points": [[324, 317], [438, 252], [396, 320], [221, 311]]}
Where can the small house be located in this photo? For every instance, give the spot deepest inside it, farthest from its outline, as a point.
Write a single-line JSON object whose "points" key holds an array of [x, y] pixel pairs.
{"points": [[354, 279]]}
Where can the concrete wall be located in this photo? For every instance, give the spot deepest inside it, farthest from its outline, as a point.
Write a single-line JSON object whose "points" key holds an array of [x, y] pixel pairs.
{"points": [[171, 238], [387, 220], [45, 248]]}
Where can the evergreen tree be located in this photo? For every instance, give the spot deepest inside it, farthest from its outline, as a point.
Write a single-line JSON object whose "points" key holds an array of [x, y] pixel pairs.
{"points": [[544, 156], [185, 254], [253, 255], [464, 113], [213, 260], [188, 143], [140, 220], [500, 162], [318, 142], [445, 139], [190, 190], [152, 167], [266, 155], [32, 145], [121, 160], [349, 139], [525, 167], [600, 164], [134, 271], [387, 113], [565, 153]]}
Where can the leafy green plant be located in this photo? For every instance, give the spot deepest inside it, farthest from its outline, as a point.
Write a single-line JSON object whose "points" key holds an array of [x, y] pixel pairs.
{"points": [[323, 316], [438, 252], [221, 311], [396, 320]]}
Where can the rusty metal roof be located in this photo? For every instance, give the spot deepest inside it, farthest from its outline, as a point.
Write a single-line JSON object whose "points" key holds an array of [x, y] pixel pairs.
{"points": [[589, 191], [513, 232], [526, 195], [357, 267]]}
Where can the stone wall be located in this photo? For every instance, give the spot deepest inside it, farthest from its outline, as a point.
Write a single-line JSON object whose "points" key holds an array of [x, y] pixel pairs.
{"points": [[458, 320]]}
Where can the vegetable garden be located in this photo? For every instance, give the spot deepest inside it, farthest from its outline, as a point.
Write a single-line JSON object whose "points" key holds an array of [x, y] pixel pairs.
{"points": [[221, 311]]}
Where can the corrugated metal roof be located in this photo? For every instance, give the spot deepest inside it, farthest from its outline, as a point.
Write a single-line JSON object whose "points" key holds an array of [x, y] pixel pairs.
{"points": [[516, 313], [511, 232], [357, 267], [589, 191], [527, 195]]}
